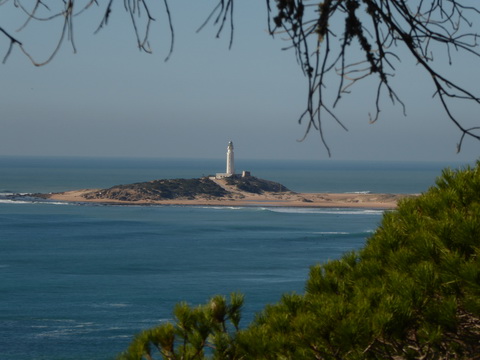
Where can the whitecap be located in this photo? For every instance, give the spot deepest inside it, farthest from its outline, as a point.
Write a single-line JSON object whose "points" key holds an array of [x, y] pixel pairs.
{"points": [[65, 327], [61, 320], [149, 320], [331, 233], [224, 207], [116, 305], [56, 202], [269, 280], [8, 201], [335, 211], [119, 337], [358, 192], [23, 202], [85, 324]]}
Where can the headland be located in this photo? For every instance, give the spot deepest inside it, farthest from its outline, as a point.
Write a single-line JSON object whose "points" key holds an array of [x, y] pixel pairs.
{"points": [[228, 191]]}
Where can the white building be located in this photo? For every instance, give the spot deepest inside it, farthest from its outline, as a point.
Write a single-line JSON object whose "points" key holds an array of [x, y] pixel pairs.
{"points": [[230, 161], [230, 170]]}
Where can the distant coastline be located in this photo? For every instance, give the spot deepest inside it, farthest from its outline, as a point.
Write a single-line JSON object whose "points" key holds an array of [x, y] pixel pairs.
{"points": [[223, 192]]}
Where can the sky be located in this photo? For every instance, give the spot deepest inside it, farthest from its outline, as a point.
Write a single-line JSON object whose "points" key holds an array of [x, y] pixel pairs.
{"points": [[110, 99]]}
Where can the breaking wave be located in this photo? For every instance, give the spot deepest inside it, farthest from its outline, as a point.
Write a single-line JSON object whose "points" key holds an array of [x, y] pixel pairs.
{"points": [[23, 201], [336, 211]]}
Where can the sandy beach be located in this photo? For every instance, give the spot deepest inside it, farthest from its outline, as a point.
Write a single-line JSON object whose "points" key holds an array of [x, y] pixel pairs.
{"points": [[288, 199]]}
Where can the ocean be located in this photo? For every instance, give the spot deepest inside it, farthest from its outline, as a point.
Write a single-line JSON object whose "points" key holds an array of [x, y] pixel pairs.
{"points": [[77, 281]]}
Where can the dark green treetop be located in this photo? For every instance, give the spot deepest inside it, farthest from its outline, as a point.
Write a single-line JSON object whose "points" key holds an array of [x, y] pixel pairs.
{"points": [[413, 292]]}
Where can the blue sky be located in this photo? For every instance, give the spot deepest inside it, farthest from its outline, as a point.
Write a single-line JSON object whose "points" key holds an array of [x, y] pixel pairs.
{"points": [[109, 99]]}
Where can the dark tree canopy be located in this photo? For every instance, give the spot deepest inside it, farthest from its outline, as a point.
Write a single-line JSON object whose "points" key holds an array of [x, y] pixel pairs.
{"points": [[325, 36], [413, 292]]}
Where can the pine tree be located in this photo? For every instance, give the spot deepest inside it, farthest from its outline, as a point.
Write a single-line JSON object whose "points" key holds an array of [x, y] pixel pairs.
{"points": [[412, 292]]}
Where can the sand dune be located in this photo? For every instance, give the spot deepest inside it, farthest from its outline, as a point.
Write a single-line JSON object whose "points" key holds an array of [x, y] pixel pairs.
{"points": [[239, 198]]}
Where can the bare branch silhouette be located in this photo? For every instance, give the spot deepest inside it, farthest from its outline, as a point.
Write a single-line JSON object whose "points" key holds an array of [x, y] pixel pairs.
{"points": [[381, 28], [384, 29]]}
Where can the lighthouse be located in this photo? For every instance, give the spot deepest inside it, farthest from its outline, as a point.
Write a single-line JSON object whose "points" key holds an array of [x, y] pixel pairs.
{"points": [[230, 162], [230, 171]]}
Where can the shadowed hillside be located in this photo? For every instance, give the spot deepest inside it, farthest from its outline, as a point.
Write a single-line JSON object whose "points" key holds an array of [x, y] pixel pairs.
{"points": [[255, 185], [184, 189]]}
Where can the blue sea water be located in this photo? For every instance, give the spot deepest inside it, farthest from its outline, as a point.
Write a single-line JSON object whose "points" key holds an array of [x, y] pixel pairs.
{"points": [[78, 281]]}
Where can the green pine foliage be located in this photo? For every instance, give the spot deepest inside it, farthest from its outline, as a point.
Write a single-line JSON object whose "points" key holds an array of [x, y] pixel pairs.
{"points": [[207, 329], [413, 292]]}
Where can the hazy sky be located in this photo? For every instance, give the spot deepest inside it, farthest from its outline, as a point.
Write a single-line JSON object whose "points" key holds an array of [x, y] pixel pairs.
{"points": [[109, 99]]}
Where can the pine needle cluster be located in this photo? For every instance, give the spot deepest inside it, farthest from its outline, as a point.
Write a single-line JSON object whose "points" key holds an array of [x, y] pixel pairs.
{"points": [[206, 331]]}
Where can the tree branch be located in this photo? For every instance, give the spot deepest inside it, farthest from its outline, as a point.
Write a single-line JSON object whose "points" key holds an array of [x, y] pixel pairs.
{"points": [[382, 29]]}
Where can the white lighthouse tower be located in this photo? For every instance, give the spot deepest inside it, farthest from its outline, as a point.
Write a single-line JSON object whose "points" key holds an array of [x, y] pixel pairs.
{"points": [[230, 162], [230, 171]]}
